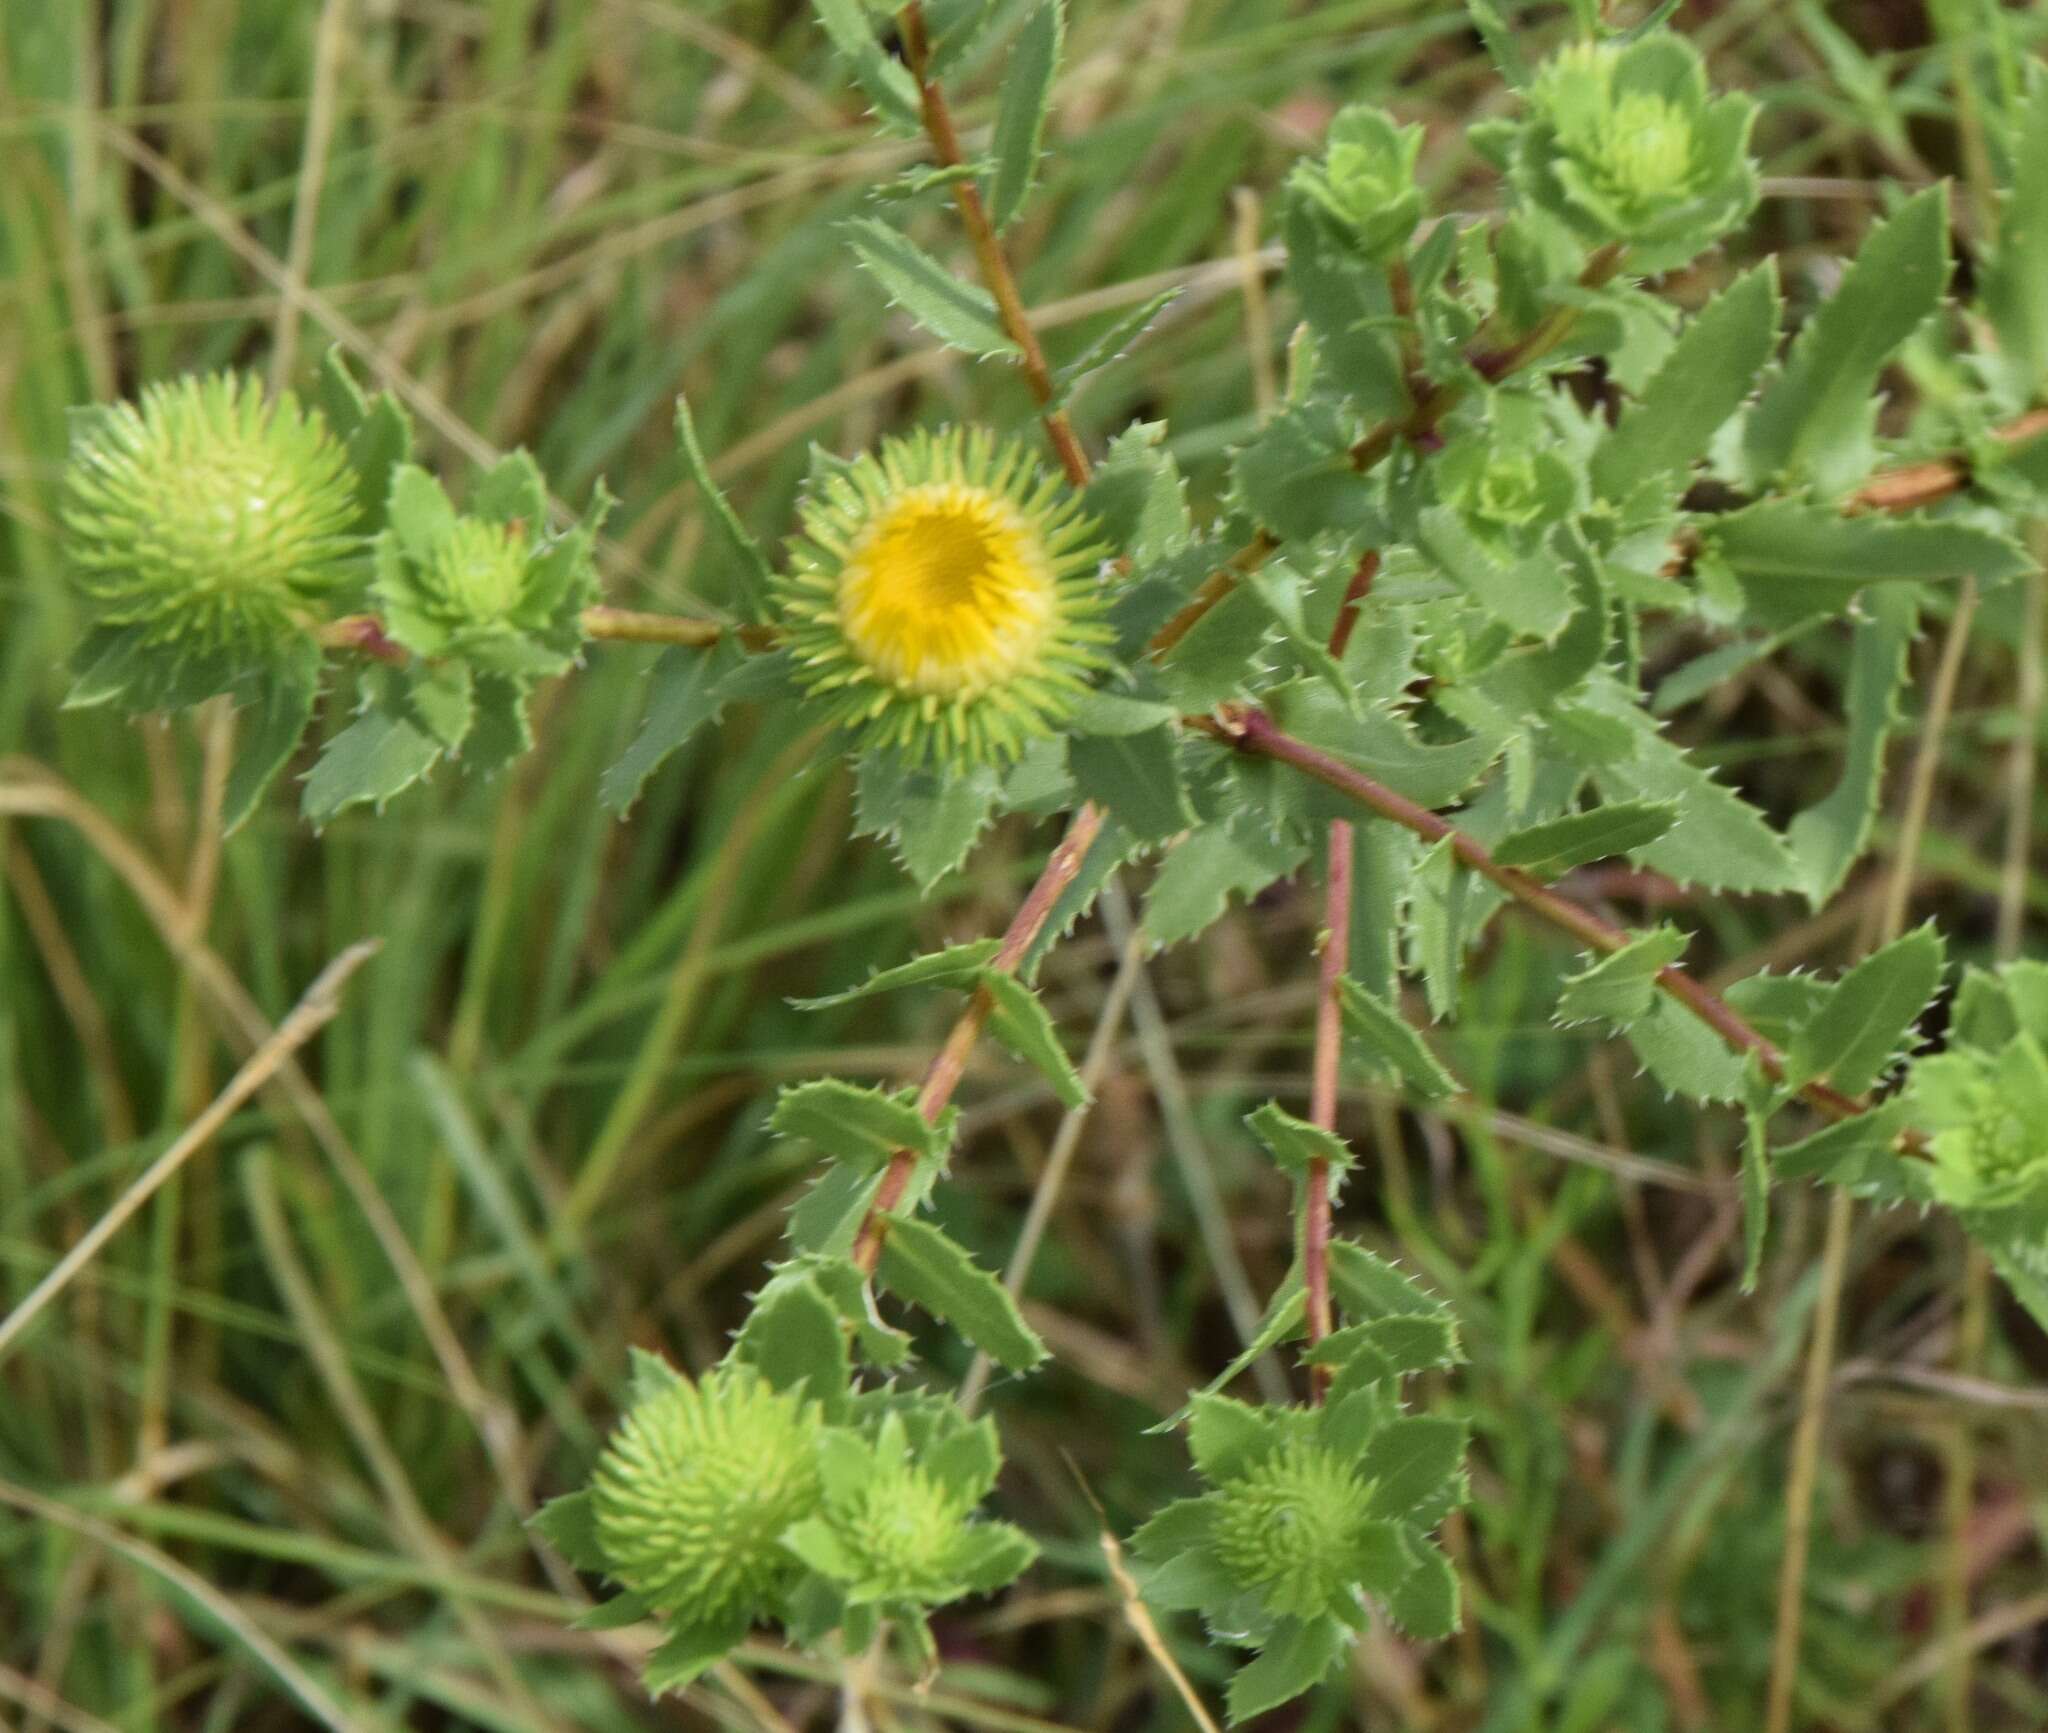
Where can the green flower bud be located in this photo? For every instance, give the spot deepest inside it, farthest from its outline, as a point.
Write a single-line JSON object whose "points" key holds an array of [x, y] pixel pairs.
{"points": [[697, 1488], [206, 515], [903, 1533], [1623, 144], [490, 586], [1988, 1113], [1365, 181], [1294, 1529]]}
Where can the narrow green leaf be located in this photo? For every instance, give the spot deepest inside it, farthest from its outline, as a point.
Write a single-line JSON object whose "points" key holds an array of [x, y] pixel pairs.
{"points": [[923, 1266], [756, 568], [1368, 1287], [1868, 1014], [953, 311], [1391, 1045], [1020, 119], [863, 1127], [1295, 1143], [1793, 539], [1205, 870], [886, 82], [1022, 1024], [683, 696], [1621, 985], [956, 965], [1828, 836], [691, 1651], [270, 731], [1112, 343], [1702, 382], [1563, 843], [2011, 283], [1816, 417], [1756, 1193]]}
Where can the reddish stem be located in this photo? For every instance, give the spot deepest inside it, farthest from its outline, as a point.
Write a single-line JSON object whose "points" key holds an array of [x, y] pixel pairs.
{"points": [[1255, 731], [942, 1077], [1336, 960]]}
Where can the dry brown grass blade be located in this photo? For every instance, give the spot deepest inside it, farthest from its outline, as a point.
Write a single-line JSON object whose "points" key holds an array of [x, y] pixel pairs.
{"points": [[312, 1013]]}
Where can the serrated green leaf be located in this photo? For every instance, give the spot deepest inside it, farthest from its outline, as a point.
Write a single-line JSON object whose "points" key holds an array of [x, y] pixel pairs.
{"points": [[1619, 988], [886, 82], [1857, 1032], [1424, 1604], [1828, 836], [1285, 1318], [1797, 540], [756, 569], [684, 695], [1405, 1343], [1205, 870], [931, 820], [1020, 118], [923, 1266], [1684, 1056], [1346, 305], [1560, 844], [1815, 419], [793, 1336], [1718, 840], [270, 728], [1410, 1461], [1702, 382], [1295, 477], [1113, 848], [1756, 1193], [1294, 1143], [690, 1651], [1098, 712], [1531, 595], [380, 754], [956, 965], [2010, 282], [1112, 343], [1368, 1287], [863, 1127], [1226, 1436], [1136, 778], [1384, 747], [1391, 1045], [954, 311], [1021, 1023], [1299, 1654], [1286, 592], [569, 1525]]}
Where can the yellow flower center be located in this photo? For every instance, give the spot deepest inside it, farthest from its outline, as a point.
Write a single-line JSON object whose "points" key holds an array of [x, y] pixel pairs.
{"points": [[948, 590]]}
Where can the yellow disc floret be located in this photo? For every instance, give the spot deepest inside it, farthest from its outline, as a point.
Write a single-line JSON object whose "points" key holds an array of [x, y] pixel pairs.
{"points": [[942, 600]]}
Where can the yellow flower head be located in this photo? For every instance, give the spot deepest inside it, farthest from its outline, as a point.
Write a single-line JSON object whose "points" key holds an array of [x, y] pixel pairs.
{"points": [[942, 599]]}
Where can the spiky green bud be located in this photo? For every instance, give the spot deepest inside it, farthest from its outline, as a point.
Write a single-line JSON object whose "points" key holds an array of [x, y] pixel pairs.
{"points": [[1988, 1115], [208, 516], [1624, 144], [1294, 1527], [491, 586], [1364, 182], [697, 1488]]}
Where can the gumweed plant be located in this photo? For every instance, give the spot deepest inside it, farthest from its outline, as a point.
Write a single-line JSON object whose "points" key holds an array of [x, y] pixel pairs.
{"points": [[1403, 655]]}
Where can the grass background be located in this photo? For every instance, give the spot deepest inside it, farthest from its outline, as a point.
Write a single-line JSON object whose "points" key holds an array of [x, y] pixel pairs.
{"points": [[256, 1470]]}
